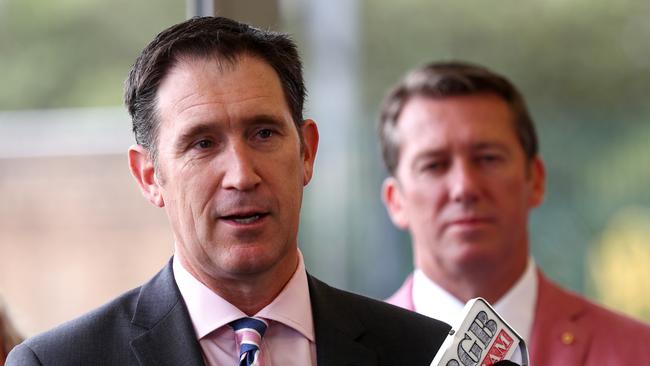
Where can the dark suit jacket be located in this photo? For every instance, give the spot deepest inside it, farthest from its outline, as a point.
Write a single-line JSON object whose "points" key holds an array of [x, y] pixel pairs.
{"points": [[150, 325]]}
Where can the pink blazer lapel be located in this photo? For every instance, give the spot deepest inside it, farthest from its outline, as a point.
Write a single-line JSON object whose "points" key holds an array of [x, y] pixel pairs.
{"points": [[558, 334], [404, 295]]}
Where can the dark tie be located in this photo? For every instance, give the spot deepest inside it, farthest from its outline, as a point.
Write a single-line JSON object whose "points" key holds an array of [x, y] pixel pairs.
{"points": [[249, 332]]}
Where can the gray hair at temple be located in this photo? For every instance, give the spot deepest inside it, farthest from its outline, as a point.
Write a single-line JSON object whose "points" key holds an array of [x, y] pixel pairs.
{"points": [[203, 37], [449, 79]]}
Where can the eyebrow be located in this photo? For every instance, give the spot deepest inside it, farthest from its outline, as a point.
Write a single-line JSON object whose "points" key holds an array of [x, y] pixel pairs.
{"points": [[188, 135], [264, 119], [440, 152], [490, 145]]}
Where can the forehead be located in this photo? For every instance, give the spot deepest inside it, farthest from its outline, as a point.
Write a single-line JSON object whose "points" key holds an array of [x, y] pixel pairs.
{"points": [[211, 90], [456, 121]]}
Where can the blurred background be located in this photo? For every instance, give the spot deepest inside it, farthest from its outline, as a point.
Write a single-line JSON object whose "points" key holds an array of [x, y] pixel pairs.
{"points": [[75, 232]]}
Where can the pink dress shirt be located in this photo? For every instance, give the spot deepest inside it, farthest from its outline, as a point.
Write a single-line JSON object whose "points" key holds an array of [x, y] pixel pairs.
{"points": [[289, 339]]}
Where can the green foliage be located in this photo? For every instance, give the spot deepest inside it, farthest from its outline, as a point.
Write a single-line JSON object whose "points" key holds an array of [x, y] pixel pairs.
{"points": [[558, 52], [74, 53], [619, 173]]}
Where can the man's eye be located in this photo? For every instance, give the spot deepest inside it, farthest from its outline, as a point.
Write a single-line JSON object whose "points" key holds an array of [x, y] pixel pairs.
{"points": [[204, 144], [434, 166], [265, 133], [489, 158]]}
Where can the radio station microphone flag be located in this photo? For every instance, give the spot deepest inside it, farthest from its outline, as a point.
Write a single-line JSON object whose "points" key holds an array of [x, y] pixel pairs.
{"points": [[482, 338]]}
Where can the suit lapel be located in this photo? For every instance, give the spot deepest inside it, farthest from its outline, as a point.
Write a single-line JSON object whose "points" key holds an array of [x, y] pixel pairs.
{"points": [[558, 335], [169, 338], [338, 330]]}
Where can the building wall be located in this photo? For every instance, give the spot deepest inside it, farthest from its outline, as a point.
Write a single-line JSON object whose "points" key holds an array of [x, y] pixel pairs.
{"points": [[74, 233]]}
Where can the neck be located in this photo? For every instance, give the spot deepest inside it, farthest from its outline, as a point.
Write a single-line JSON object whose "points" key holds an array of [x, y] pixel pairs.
{"points": [[250, 293]]}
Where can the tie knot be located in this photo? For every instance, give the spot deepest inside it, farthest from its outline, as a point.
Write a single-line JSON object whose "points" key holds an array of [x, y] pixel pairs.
{"points": [[250, 324], [249, 333]]}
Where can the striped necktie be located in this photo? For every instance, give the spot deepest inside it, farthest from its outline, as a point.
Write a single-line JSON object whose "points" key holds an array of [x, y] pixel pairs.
{"points": [[249, 333]]}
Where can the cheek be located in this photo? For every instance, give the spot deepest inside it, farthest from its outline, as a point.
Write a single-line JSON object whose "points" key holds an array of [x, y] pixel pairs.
{"points": [[288, 192], [428, 192], [191, 193], [514, 195], [288, 177], [424, 202]]}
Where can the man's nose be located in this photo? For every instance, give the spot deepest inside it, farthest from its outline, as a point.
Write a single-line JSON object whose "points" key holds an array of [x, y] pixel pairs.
{"points": [[464, 185], [240, 169]]}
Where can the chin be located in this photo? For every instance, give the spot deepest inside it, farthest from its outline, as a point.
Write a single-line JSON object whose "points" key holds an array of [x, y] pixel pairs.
{"points": [[476, 255], [252, 260], [241, 267]]}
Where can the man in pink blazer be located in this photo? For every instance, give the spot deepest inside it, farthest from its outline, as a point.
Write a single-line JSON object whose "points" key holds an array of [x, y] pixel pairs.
{"points": [[462, 153]]}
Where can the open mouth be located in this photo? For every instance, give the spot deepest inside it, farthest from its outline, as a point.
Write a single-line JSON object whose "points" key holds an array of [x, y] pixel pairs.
{"points": [[245, 219]]}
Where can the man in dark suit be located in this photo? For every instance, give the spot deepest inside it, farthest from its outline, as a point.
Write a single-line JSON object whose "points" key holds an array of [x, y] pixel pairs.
{"points": [[222, 146]]}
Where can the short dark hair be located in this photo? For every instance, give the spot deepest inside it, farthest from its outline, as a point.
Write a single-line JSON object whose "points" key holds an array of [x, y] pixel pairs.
{"points": [[447, 79], [205, 37]]}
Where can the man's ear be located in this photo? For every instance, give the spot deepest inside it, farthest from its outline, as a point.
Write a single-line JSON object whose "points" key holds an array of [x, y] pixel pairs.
{"points": [[310, 146], [144, 172], [394, 202], [538, 182]]}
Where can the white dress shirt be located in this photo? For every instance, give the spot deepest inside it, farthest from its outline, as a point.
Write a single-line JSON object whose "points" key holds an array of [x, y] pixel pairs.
{"points": [[517, 306]]}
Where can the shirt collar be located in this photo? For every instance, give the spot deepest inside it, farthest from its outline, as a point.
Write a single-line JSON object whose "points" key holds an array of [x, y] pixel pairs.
{"points": [[209, 311], [517, 306]]}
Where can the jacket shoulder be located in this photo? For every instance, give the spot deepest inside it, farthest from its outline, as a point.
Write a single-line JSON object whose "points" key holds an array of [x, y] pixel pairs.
{"points": [[614, 336], [578, 309], [569, 324], [102, 334]]}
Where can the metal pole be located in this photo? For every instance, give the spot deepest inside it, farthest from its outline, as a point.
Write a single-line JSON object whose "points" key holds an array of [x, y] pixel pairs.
{"points": [[260, 13], [200, 7]]}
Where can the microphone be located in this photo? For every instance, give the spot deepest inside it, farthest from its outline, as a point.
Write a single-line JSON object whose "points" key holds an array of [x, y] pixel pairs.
{"points": [[482, 338]]}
